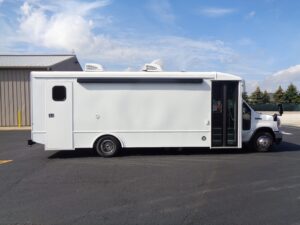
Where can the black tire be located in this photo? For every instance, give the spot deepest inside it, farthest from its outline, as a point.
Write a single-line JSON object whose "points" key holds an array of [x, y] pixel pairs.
{"points": [[262, 142], [107, 146]]}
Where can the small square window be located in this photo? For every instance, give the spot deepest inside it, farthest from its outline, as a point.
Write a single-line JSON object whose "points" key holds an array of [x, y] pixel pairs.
{"points": [[59, 93]]}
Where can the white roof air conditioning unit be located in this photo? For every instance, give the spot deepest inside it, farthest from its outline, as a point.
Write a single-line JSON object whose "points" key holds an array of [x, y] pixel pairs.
{"points": [[93, 67], [155, 66]]}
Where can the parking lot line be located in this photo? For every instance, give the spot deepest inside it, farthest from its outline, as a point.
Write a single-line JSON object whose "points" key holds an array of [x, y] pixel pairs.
{"points": [[5, 161], [286, 133]]}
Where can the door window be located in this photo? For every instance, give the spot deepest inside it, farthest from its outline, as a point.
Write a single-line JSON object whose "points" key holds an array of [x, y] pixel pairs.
{"points": [[224, 113], [59, 93], [231, 113], [217, 114], [246, 117]]}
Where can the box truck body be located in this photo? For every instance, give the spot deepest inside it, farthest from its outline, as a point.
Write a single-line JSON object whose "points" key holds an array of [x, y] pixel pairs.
{"points": [[138, 109]]}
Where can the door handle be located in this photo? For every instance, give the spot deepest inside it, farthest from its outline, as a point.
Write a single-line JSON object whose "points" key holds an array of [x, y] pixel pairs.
{"points": [[51, 115]]}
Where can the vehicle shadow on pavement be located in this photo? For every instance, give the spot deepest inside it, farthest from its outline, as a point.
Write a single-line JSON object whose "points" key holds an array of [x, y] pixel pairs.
{"points": [[78, 153], [180, 151], [83, 153], [286, 147]]}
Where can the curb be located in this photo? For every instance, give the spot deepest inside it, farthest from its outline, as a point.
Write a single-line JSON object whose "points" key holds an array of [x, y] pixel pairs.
{"points": [[14, 128]]}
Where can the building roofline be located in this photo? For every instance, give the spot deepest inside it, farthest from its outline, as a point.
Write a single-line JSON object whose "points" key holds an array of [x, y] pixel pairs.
{"points": [[25, 67], [37, 54], [65, 61], [37, 61]]}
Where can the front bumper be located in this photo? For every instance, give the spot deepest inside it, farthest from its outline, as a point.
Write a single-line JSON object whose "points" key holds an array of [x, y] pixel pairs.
{"points": [[278, 137]]}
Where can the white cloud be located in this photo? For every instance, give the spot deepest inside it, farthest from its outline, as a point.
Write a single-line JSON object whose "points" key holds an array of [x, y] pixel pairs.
{"points": [[272, 82], [25, 8], [251, 85], [292, 72], [53, 26], [245, 41], [6, 35], [250, 15], [77, 25], [78, 7], [57, 26], [178, 53], [163, 10], [216, 12], [283, 78]]}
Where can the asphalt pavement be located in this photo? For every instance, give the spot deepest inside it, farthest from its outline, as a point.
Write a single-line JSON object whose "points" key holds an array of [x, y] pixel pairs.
{"points": [[149, 186]]}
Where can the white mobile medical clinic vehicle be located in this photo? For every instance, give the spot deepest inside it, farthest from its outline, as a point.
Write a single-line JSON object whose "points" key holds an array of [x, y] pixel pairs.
{"points": [[109, 111]]}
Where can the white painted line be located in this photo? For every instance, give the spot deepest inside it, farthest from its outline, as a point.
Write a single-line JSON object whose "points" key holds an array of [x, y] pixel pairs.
{"points": [[286, 133], [5, 161]]}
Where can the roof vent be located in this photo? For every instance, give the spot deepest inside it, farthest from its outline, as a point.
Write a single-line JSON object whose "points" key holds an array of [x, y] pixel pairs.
{"points": [[93, 67], [155, 66]]}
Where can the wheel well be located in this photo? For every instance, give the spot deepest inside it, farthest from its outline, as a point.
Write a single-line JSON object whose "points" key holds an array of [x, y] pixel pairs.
{"points": [[107, 135], [264, 129]]}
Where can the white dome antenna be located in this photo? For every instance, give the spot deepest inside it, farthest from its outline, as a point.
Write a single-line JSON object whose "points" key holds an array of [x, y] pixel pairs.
{"points": [[154, 66], [93, 67]]}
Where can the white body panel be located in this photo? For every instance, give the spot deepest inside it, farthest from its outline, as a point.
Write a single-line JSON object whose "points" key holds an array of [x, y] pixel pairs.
{"points": [[139, 115], [59, 117]]}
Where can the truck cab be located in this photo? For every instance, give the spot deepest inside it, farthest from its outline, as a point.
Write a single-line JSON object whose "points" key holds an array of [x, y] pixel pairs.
{"points": [[260, 131]]}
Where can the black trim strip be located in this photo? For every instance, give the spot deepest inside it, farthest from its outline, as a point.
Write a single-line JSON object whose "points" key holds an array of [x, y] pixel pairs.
{"points": [[129, 80], [225, 113]]}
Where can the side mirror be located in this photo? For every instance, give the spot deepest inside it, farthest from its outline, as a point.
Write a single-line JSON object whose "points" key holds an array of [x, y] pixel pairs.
{"points": [[280, 109]]}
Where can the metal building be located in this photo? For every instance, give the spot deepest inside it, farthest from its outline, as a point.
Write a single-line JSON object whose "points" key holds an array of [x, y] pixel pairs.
{"points": [[15, 83]]}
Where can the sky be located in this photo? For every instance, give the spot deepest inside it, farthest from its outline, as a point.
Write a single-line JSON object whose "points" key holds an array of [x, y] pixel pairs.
{"points": [[258, 40]]}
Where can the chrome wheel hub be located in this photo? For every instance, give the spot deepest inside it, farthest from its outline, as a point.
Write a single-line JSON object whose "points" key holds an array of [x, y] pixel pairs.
{"points": [[263, 142], [108, 146]]}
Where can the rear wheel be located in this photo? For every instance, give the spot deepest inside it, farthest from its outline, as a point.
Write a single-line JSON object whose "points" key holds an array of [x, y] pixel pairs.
{"points": [[107, 146], [262, 141]]}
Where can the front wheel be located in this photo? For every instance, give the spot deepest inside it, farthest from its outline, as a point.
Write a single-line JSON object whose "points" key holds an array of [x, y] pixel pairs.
{"points": [[107, 146], [262, 141]]}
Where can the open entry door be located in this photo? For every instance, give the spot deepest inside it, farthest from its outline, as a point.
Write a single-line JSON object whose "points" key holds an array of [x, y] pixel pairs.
{"points": [[225, 115], [59, 115]]}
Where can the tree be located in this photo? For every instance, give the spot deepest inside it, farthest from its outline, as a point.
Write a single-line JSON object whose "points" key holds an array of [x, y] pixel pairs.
{"points": [[257, 96], [279, 95], [245, 97], [291, 94], [265, 97]]}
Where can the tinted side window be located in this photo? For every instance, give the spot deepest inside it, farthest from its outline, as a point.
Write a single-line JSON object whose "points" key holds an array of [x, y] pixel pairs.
{"points": [[246, 117], [59, 93]]}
